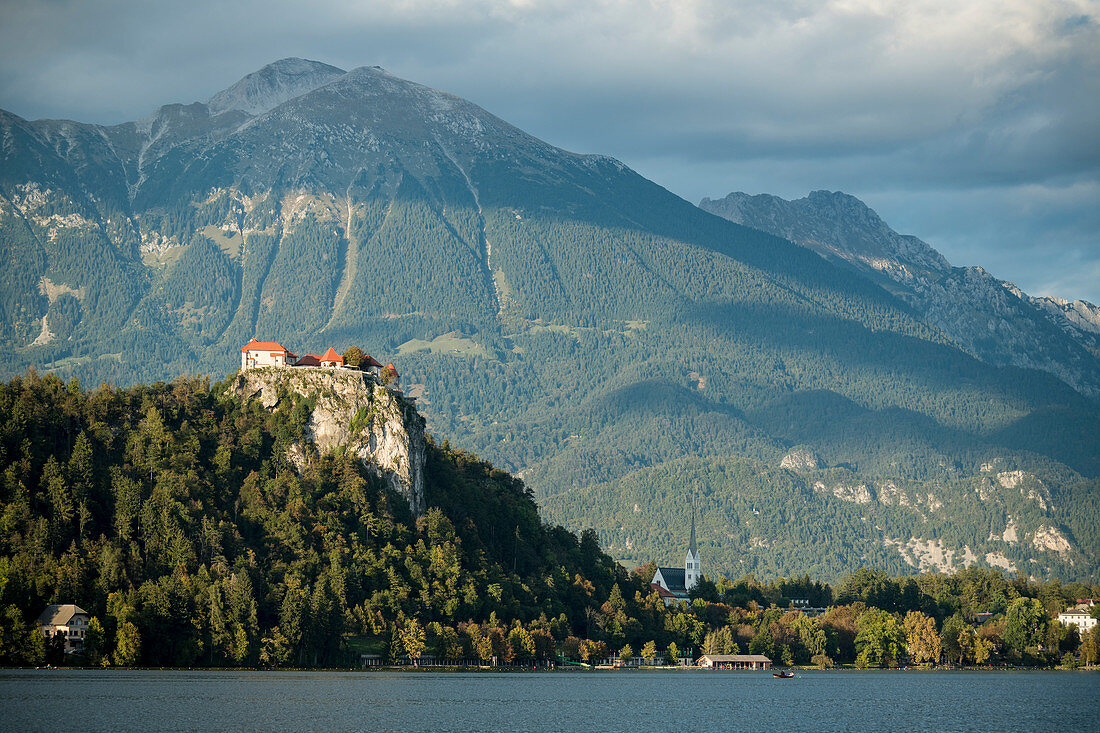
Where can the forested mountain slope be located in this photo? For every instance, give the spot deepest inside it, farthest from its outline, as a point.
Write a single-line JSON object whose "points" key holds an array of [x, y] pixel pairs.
{"points": [[556, 313], [989, 318]]}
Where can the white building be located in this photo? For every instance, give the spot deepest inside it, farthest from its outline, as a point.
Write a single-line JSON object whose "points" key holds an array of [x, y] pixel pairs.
{"points": [[734, 661], [673, 584], [265, 353], [1080, 615], [67, 621]]}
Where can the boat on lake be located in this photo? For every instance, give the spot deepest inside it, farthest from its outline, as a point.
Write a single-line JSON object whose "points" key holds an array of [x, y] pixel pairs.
{"points": [[783, 675]]}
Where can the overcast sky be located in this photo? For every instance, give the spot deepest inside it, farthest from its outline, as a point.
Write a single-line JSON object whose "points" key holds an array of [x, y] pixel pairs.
{"points": [[973, 124]]}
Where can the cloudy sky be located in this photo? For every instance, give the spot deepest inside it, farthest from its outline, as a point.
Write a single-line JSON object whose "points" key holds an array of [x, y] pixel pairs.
{"points": [[974, 124]]}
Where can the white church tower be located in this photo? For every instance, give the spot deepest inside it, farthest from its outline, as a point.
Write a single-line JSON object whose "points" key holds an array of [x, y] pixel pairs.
{"points": [[692, 569]]}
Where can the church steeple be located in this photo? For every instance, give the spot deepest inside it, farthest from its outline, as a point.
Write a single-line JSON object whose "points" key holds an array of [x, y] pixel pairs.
{"points": [[691, 546], [692, 569]]}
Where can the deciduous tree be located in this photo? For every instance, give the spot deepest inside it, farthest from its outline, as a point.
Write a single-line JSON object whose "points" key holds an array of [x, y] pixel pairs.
{"points": [[1026, 623], [413, 640], [923, 643], [880, 639]]}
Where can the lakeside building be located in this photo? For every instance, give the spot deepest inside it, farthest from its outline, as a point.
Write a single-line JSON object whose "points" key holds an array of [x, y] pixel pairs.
{"points": [[1080, 615], [65, 620], [674, 584], [734, 661]]}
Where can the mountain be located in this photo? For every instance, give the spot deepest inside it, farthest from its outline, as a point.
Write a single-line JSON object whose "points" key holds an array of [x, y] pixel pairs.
{"points": [[557, 313], [989, 318], [272, 85]]}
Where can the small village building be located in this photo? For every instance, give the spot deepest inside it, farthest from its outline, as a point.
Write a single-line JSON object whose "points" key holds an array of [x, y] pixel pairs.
{"points": [[331, 359], [674, 584], [67, 621], [662, 592], [396, 381], [369, 364], [1079, 616], [734, 661], [803, 605], [264, 354]]}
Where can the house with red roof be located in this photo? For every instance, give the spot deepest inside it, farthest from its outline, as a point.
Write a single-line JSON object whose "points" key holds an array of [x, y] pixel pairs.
{"points": [[390, 377], [369, 364], [329, 359], [265, 353]]}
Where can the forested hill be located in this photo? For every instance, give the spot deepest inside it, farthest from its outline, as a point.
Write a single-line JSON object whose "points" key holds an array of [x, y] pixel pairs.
{"points": [[557, 313], [174, 508]]}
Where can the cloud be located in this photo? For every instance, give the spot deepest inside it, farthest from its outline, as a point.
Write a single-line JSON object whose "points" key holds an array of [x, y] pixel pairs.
{"points": [[978, 102]]}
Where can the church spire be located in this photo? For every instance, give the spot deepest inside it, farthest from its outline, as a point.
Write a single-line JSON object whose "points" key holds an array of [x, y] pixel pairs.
{"points": [[692, 568], [691, 547]]}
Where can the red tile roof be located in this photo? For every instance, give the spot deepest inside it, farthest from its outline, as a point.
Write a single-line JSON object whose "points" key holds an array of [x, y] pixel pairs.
{"points": [[331, 355], [255, 345], [391, 366], [369, 361], [309, 360], [662, 592]]}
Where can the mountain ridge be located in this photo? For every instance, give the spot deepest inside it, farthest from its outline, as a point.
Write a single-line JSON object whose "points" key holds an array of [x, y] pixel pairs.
{"points": [[966, 303]]}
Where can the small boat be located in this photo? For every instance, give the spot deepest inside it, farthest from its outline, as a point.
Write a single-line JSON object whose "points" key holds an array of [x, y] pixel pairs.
{"points": [[783, 675]]}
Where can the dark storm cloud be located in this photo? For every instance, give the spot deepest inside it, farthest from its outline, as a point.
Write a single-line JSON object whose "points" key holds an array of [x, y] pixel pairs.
{"points": [[973, 125]]}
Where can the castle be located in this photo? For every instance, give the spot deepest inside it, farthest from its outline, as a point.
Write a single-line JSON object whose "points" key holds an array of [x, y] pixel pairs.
{"points": [[257, 354], [673, 584]]}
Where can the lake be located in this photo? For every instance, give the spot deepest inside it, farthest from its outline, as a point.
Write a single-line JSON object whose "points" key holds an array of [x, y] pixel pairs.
{"points": [[112, 700]]}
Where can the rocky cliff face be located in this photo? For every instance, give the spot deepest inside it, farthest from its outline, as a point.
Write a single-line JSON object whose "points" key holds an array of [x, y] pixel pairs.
{"points": [[354, 413]]}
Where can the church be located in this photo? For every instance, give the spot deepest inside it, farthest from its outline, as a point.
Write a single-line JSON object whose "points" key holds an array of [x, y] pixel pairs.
{"points": [[673, 584]]}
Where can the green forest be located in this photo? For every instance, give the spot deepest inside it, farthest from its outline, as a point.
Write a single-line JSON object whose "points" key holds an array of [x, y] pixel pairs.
{"points": [[171, 514]]}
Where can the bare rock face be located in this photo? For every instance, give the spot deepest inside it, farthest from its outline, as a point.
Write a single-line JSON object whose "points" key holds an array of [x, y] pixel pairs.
{"points": [[801, 459], [352, 412]]}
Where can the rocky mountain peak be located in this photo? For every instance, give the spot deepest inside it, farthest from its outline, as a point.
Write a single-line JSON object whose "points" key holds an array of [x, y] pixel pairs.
{"points": [[272, 85], [835, 225], [966, 304]]}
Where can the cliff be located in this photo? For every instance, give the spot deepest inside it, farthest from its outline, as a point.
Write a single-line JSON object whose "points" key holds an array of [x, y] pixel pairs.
{"points": [[353, 412]]}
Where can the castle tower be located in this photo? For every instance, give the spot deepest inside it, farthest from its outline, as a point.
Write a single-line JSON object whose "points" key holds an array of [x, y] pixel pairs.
{"points": [[692, 568]]}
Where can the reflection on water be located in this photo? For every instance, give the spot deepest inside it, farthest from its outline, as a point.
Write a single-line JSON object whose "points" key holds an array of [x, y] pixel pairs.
{"points": [[561, 701]]}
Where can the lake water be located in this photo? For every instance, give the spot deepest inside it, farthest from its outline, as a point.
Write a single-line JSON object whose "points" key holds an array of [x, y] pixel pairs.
{"points": [[560, 701]]}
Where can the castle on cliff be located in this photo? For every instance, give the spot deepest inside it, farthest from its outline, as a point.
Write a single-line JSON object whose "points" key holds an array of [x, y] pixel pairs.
{"points": [[257, 354]]}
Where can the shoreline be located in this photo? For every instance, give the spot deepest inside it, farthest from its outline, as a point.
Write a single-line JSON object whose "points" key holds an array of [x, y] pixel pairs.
{"points": [[550, 670]]}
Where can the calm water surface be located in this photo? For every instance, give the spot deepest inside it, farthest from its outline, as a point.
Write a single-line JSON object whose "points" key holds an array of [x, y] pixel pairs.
{"points": [[563, 701]]}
